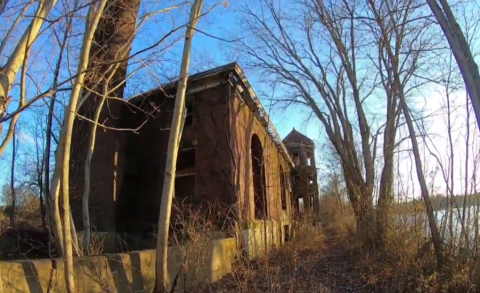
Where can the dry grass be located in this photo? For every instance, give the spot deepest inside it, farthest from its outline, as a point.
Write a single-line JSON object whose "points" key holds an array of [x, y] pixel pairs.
{"points": [[408, 262], [316, 263], [195, 230], [323, 258], [336, 216], [290, 268], [334, 260]]}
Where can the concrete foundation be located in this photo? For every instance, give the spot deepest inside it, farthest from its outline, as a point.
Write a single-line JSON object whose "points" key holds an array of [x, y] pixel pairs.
{"points": [[208, 261]]}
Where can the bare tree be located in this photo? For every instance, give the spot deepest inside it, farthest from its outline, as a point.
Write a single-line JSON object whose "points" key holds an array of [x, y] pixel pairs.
{"points": [[460, 49], [320, 52], [447, 170], [61, 174], [12, 179], [113, 34], [436, 239], [451, 81], [17, 59], [334, 186], [175, 134], [105, 79], [52, 204], [34, 161]]}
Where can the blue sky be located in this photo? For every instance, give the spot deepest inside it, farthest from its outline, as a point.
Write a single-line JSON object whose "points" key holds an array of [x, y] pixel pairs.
{"points": [[208, 52]]}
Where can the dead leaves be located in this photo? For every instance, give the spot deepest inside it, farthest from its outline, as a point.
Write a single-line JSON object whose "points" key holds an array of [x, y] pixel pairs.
{"points": [[294, 268]]}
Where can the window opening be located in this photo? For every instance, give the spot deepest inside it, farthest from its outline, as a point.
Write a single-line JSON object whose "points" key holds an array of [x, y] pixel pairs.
{"points": [[258, 174], [300, 205], [296, 158], [184, 187], [186, 160], [283, 189], [190, 107]]}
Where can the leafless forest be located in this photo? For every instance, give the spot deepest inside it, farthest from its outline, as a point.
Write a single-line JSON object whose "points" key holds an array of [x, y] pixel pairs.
{"points": [[389, 90]]}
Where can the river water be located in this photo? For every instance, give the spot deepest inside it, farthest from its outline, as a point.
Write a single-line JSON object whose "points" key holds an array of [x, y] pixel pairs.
{"points": [[443, 218]]}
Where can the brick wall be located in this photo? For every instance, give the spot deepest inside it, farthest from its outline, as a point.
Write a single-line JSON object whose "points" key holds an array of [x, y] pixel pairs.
{"points": [[244, 126], [143, 161], [128, 167], [213, 155]]}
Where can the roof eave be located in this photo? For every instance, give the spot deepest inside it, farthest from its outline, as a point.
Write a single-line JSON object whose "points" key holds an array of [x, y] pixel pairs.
{"points": [[191, 78], [276, 137]]}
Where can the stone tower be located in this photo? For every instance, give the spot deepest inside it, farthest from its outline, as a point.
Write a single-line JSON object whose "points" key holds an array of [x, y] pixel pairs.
{"points": [[304, 177]]}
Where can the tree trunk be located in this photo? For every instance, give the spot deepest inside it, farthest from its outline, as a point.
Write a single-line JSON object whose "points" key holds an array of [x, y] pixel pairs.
{"points": [[61, 179], [362, 205], [51, 204], [437, 241], [466, 218], [385, 197], [12, 180], [461, 51], [107, 70], [16, 59], [3, 5], [161, 262], [86, 191]]}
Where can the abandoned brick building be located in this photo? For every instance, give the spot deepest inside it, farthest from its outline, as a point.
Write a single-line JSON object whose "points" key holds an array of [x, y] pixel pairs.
{"points": [[229, 153], [304, 174]]}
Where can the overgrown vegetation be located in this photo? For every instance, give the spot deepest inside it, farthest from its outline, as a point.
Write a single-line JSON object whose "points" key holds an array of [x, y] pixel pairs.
{"points": [[400, 207], [407, 263]]}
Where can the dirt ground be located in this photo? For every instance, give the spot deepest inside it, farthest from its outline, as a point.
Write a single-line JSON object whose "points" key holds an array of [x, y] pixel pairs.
{"points": [[295, 268]]}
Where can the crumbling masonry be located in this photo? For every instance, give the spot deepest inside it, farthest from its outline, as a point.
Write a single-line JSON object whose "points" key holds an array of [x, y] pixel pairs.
{"points": [[230, 153]]}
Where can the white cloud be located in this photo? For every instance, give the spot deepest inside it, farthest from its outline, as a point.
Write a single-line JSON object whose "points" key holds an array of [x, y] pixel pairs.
{"points": [[436, 153], [25, 137]]}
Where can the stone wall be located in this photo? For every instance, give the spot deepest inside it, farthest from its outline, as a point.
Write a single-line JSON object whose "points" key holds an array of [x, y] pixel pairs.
{"points": [[134, 272]]}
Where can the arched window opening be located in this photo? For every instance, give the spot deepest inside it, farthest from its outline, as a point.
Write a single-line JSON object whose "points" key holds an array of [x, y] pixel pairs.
{"points": [[283, 189], [300, 205], [258, 174]]}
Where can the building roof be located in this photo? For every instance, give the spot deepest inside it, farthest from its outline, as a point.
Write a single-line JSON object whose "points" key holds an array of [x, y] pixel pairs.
{"points": [[191, 79], [248, 96], [295, 137]]}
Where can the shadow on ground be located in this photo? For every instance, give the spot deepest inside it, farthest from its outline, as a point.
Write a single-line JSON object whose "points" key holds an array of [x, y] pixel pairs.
{"points": [[322, 266]]}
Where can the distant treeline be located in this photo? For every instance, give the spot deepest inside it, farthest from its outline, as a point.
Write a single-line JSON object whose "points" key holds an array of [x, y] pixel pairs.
{"points": [[441, 202]]}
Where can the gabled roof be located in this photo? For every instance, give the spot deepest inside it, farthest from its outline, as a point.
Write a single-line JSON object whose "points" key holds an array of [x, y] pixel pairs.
{"points": [[296, 137]]}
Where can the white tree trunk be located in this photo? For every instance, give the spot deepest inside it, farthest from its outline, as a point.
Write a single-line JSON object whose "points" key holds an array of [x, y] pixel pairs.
{"points": [[8, 137], [51, 204], [62, 167], [86, 191], [172, 152], [16, 59]]}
